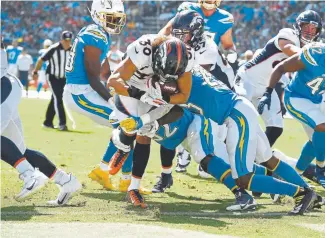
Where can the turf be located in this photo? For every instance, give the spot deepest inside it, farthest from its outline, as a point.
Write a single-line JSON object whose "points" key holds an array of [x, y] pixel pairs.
{"points": [[192, 203]]}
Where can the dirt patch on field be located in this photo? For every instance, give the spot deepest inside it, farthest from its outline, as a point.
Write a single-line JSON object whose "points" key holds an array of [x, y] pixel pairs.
{"points": [[80, 230]]}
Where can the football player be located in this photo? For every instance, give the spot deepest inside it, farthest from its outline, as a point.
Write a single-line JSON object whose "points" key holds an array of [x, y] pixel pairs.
{"points": [[84, 92], [188, 25], [13, 51], [42, 72], [303, 98], [254, 75], [13, 148], [245, 140]]}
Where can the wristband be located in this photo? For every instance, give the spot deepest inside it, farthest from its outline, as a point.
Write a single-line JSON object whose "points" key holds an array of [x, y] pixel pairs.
{"points": [[269, 90]]}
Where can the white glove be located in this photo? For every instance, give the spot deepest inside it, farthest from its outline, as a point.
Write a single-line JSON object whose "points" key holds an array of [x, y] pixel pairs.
{"points": [[232, 57], [154, 89], [157, 102], [149, 130], [117, 142]]}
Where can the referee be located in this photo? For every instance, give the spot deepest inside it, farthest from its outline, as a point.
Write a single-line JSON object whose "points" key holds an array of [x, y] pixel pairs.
{"points": [[56, 55]]}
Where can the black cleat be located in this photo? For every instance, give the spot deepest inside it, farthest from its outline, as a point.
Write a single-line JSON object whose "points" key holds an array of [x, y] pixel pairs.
{"points": [[319, 202], [63, 128], [304, 200], [164, 182]]}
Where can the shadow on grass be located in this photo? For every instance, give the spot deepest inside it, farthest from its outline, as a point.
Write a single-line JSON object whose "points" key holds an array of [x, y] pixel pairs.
{"points": [[19, 213]]}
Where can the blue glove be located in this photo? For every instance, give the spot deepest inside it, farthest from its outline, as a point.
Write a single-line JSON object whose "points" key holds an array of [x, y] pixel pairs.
{"points": [[265, 100]]}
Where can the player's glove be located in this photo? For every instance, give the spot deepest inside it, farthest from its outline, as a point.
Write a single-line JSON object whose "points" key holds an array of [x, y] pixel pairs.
{"points": [[131, 124], [149, 99], [265, 100], [149, 130], [153, 89]]}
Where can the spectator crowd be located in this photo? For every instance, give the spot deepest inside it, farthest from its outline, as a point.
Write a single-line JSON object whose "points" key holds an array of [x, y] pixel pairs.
{"points": [[255, 21]]}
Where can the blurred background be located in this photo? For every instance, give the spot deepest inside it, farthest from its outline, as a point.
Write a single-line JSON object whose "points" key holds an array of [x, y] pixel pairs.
{"points": [[255, 21]]}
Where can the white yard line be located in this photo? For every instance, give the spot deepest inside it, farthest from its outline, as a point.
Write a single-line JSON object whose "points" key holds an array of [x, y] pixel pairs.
{"points": [[315, 227], [81, 230]]}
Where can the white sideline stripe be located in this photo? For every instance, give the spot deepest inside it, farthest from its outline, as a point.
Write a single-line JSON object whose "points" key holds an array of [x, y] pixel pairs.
{"points": [[191, 214], [80, 230], [315, 227]]}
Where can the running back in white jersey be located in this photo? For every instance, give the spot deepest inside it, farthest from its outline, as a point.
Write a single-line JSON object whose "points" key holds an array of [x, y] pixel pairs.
{"points": [[259, 69], [140, 53]]}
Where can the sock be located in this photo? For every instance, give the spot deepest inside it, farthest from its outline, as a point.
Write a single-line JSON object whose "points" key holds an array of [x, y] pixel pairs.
{"points": [[39, 87], [23, 165], [103, 165], [306, 157], [40, 161], [289, 174], [220, 170], [135, 183], [259, 169], [167, 170], [10, 152], [110, 151], [140, 159], [60, 177], [127, 166], [126, 176], [267, 184], [319, 146], [310, 172]]}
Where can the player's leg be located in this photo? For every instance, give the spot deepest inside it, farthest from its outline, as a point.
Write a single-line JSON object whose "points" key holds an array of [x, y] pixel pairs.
{"points": [[310, 114], [242, 143], [166, 180], [33, 180], [49, 115]]}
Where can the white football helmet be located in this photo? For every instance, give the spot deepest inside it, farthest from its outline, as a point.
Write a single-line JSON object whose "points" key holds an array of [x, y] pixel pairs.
{"points": [[47, 43], [209, 5], [109, 14]]}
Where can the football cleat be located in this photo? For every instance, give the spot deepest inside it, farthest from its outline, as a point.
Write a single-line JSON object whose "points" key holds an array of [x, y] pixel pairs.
{"points": [[183, 160], [319, 202], [134, 197], [125, 183], [244, 202], [67, 190], [320, 175], [33, 181], [165, 181], [276, 198], [202, 173], [129, 125], [257, 194], [303, 201], [117, 161], [102, 177]]}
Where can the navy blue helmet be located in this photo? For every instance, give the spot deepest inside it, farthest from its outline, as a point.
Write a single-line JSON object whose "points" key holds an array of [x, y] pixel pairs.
{"points": [[188, 26], [308, 26]]}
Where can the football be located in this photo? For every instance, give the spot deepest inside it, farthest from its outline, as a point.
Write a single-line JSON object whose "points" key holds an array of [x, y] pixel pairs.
{"points": [[169, 88]]}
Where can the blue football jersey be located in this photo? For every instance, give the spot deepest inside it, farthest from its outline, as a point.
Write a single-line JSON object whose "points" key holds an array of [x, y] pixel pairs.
{"points": [[209, 97], [215, 25], [41, 53], [309, 83], [92, 35], [173, 134], [13, 53]]}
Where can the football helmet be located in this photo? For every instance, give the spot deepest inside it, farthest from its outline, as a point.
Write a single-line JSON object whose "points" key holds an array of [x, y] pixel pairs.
{"points": [[188, 26], [308, 26], [170, 60], [209, 5], [109, 15]]}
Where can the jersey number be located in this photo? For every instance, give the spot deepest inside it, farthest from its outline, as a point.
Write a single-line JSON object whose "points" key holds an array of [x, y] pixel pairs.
{"points": [[70, 63], [12, 55], [146, 50], [315, 84], [167, 133]]}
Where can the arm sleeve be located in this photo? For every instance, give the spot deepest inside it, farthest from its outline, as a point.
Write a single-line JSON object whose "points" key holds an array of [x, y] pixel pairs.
{"points": [[156, 113]]}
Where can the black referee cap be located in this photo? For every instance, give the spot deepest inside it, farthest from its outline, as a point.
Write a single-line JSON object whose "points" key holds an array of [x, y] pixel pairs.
{"points": [[66, 35]]}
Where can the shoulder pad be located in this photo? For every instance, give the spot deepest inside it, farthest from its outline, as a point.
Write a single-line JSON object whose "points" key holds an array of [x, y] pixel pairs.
{"points": [[289, 34], [314, 52], [20, 48], [97, 32], [10, 47], [187, 6]]}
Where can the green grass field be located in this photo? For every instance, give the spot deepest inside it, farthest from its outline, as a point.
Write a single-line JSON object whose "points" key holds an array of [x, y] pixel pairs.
{"points": [[192, 203]]}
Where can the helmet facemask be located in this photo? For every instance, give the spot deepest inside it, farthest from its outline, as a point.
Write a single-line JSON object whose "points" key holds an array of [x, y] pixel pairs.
{"points": [[309, 32], [113, 23], [210, 6]]}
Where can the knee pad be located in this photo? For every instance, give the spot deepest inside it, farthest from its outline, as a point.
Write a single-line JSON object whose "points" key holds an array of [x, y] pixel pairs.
{"points": [[273, 133]]}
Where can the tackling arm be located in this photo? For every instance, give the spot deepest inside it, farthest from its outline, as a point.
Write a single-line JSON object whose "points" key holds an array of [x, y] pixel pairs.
{"points": [[288, 47], [93, 68], [167, 30], [184, 84]]}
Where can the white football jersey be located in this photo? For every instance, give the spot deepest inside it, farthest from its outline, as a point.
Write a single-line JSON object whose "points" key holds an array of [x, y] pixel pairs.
{"points": [[259, 69], [4, 63], [140, 53]]}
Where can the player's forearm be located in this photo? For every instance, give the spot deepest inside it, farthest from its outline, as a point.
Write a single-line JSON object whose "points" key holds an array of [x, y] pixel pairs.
{"points": [[118, 84], [179, 98], [166, 30], [276, 75], [38, 65], [156, 114], [100, 88]]}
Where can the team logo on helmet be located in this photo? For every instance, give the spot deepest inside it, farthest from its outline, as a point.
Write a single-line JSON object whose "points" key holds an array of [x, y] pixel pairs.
{"points": [[106, 4]]}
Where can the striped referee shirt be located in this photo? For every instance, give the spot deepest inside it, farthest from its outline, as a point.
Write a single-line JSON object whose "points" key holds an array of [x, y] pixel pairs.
{"points": [[57, 57]]}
